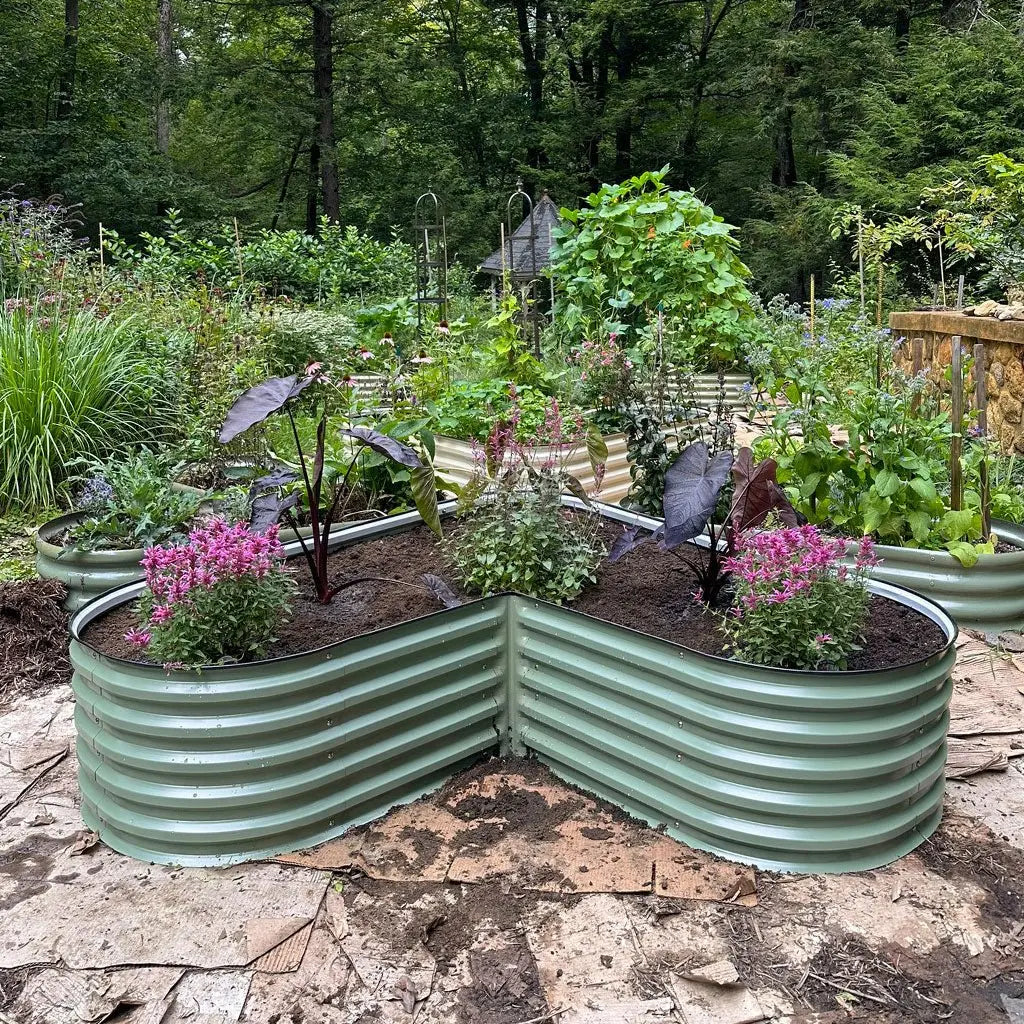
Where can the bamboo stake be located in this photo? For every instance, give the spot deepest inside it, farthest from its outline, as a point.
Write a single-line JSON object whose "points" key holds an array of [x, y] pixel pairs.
{"points": [[102, 274], [956, 483], [238, 252], [860, 256], [917, 365], [981, 405], [878, 326], [812, 308]]}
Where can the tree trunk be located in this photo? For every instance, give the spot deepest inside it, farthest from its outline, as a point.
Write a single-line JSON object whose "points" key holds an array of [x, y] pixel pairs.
{"points": [[624, 128], [323, 91], [165, 49], [283, 194], [69, 61], [902, 27], [534, 50], [313, 190], [784, 165]]}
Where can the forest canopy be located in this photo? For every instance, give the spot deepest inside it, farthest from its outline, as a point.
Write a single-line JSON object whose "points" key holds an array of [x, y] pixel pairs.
{"points": [[278, 113]]}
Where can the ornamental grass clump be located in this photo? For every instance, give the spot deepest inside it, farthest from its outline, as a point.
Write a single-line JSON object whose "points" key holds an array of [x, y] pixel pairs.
{"points": [[214, 600], [797, 605]]}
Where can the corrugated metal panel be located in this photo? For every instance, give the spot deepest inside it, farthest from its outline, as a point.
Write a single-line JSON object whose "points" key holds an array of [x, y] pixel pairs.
{"points": [[987, 596], [788, 770], [252, 760], [454, 458]]}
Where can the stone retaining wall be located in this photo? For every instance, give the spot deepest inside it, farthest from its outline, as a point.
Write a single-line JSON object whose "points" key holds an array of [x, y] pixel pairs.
{"points": [[1004, 359]]}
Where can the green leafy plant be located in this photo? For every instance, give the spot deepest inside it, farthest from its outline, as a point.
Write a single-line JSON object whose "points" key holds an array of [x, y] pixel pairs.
{"points": [[517, 535], [131, 502], [887, 479], [72, 387], [640, 247]]}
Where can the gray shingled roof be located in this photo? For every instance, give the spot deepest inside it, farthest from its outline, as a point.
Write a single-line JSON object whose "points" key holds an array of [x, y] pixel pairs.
{"points": [[521, 266]]}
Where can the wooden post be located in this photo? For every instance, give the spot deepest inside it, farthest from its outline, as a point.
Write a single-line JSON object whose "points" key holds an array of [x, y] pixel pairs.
{"points": [[860, 256], [917, 366], [238, 253], [956, 483], [981, 405], [960, 293], [878, 327]]}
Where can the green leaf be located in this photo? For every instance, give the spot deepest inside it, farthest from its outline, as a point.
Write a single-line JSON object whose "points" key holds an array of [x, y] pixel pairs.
{"points": [[966, 554], [924, 487], [955, 525], [887, 483], [424, 493], [920, 525]]}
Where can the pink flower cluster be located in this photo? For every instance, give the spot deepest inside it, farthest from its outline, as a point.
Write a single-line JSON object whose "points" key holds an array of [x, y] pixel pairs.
{"points": [[775, 566], [560, 435], [214, 552], [596, 357]]}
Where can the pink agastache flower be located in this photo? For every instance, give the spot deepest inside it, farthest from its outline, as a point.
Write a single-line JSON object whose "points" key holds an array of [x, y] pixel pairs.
{"points": [[138, 637], [215, 551], [776, 566]]}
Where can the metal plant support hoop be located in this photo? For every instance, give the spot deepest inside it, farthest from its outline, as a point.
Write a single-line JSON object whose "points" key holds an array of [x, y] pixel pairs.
{"points": [[431, 247], [784, 769]]}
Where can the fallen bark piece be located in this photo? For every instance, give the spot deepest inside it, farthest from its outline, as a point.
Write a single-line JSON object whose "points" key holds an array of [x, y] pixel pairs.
{"points": [[721, 972], [699, 1002], [965, 758]]}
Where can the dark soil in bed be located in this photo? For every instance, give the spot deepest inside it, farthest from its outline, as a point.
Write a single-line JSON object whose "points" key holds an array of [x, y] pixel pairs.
{"points": [[649, 591]]}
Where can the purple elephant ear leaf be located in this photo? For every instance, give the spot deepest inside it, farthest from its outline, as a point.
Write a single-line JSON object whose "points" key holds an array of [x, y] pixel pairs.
{"points": [[384, 445], [438, 586], [630, 540], [267, 510], [757, 494], [259, 402], [692, 485]]}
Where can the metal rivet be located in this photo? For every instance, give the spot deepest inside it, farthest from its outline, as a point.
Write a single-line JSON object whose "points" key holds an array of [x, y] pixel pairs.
{"points": [[330, 756]]}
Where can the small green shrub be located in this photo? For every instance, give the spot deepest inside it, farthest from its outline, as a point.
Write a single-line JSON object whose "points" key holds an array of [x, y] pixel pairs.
{"points": [[517, 535], [72, 387]]}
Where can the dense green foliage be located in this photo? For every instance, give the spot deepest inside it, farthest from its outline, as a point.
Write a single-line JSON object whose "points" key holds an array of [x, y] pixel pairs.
{"points": [[780, 113], [131, 502], [641, 249]]}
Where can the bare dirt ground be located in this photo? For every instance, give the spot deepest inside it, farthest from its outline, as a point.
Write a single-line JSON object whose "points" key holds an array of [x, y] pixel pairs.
{"points": [[507, 897]]}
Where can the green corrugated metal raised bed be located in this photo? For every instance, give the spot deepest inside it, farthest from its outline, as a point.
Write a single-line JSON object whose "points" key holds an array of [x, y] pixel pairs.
{"points": [[987, 596], [85, 573], [794, 770]]}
